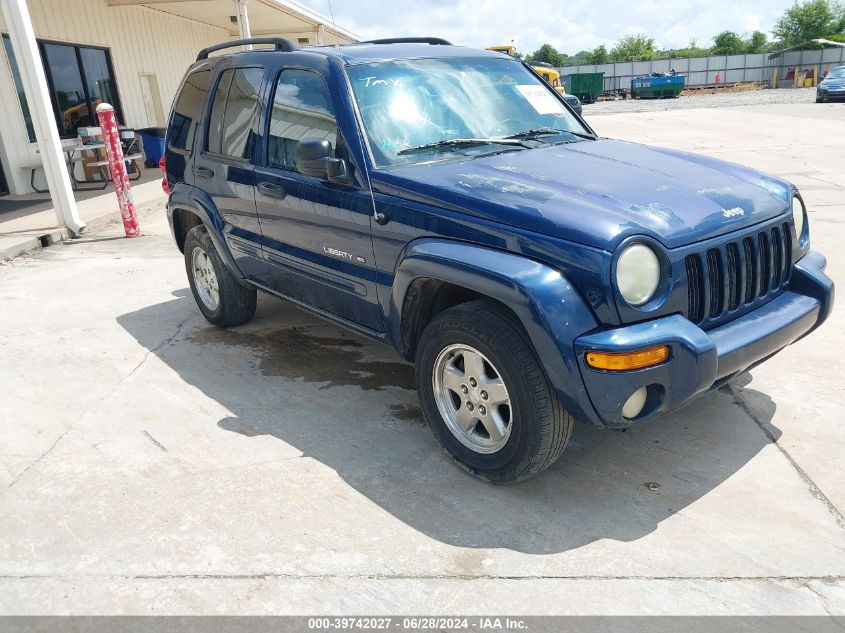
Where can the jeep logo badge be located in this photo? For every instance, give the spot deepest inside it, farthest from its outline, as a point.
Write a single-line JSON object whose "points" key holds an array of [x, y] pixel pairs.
{"points": [[729, 213]]}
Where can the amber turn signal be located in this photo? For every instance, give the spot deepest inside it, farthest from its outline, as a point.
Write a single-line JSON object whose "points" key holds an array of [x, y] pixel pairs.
{"points": [[626, 361]]}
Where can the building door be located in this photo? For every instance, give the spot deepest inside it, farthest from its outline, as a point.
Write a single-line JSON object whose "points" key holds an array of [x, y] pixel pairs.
{"points": [[152, 99]]}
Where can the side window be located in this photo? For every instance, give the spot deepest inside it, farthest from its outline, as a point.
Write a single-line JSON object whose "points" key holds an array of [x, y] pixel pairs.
{"points": [[188, 110], [301, 109], [240, 112], [218, 109], [232, 112]]}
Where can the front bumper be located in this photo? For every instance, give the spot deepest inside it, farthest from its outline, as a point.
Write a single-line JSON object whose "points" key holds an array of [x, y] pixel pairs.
{"points": [[704, 360], [837, 93]]}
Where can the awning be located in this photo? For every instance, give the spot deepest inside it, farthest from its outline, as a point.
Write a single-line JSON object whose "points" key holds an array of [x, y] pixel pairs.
{"points": [[266, 17]]}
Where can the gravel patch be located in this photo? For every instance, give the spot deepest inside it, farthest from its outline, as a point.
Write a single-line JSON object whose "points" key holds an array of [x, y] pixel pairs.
{"points": [[720, 100]]}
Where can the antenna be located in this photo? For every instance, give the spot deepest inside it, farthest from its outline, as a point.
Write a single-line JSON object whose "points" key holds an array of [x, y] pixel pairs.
{"points": [[334, 24], [331, 12]]}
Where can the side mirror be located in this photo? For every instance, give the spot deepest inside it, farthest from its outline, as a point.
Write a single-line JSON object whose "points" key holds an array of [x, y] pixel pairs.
{"points": [[313, 158]]}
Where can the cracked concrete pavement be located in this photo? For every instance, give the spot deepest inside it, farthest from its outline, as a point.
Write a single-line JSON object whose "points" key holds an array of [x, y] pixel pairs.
{"points": [[150, 463]]}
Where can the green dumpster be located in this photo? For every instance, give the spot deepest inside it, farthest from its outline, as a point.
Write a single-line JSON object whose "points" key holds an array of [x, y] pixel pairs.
{"points": [[586, 86]]}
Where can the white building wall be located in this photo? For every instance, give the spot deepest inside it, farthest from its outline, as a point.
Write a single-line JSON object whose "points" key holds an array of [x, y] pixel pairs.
{"points": [[140, 40]]}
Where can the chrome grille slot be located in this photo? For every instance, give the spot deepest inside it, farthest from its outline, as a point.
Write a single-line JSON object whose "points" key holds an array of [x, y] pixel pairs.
{"points": [[714, 274], [765, 262], [734, 283], [750, 269], [777, 257], [787, 252], [695, 285]]}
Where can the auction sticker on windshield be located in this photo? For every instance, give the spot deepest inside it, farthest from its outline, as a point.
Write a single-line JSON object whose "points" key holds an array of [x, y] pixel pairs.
{"points": [[540, 99]]}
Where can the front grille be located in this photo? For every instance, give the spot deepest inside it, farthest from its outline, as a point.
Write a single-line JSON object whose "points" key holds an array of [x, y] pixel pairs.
{"points": [[732, 275]]}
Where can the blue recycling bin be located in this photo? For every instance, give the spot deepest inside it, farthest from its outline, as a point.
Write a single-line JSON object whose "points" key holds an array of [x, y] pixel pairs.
{"points": [[152, 138], [657, 86]]}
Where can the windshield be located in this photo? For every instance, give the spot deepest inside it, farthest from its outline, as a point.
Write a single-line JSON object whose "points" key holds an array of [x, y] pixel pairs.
{"points": [[417, 104], [836, 73]]}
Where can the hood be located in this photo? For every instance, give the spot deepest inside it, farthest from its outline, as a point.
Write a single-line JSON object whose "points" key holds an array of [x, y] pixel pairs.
{"points": [[830, 82], [598, 192]]}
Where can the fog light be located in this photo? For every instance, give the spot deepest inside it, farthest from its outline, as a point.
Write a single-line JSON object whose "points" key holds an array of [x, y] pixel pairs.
{"points": [[626, 361], [634, 405]]}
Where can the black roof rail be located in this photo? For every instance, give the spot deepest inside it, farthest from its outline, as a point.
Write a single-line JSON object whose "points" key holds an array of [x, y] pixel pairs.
{"points": [[434, 41], [280, 44]]}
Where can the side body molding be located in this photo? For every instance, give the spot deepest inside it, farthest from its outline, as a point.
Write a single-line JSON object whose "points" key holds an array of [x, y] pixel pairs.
{"points": [[548, 306]]}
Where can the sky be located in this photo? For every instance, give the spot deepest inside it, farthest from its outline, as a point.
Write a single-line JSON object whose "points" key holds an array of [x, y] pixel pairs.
{"points": [[569, 25]]}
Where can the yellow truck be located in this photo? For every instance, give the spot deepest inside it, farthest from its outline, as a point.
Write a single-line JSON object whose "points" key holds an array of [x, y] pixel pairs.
{"points": [[507, 50], [547, 72]]}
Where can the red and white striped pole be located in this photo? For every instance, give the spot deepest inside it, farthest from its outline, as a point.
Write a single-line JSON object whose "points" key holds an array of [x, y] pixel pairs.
{"points": [[117, 166]]}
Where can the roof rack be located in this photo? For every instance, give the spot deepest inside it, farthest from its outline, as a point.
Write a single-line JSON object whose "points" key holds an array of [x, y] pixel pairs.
{"points": [[434, 41], [541, 64], [280, 44]]}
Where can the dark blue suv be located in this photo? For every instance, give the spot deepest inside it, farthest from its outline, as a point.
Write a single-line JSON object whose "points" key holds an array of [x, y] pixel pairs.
{"points": [[448, 202]]}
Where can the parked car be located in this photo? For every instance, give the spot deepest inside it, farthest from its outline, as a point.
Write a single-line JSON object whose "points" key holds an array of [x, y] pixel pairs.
{"points": [[832, 86], [445, 201]]}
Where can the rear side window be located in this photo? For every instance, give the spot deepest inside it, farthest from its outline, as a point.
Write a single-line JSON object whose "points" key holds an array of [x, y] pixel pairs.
{"points": [[302, 108], [188, 110], [232, 112]]}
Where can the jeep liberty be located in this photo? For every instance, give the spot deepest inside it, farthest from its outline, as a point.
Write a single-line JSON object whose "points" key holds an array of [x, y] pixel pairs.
{"points": [[448, 202]]}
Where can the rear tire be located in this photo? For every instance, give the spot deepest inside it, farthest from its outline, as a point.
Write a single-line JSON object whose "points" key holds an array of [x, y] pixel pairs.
{"points": [[220, 297], [475, 354]]}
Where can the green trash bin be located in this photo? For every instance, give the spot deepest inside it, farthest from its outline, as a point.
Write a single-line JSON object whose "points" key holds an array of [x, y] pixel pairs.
{"points": [[586, 86]]}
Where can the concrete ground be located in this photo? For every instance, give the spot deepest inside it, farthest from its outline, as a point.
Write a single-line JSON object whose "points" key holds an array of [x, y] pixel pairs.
{"points": [[28, 222], [151, 463]]}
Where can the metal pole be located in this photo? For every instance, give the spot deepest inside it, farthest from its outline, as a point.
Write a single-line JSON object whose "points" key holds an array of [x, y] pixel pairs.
{"points": [[243, 22], [22, 36], [119, 175]]}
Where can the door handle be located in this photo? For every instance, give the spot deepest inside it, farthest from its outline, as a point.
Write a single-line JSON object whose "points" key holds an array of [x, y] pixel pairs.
{"points": [[202, 172], [271, 190]]}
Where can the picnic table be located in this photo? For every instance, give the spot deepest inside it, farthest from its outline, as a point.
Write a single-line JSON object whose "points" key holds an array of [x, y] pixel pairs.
{"points": [[74, 148]]}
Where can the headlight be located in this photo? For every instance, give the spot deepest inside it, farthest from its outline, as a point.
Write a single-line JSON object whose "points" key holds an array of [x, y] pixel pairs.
{"points": [[798, 216], [637, 274]]}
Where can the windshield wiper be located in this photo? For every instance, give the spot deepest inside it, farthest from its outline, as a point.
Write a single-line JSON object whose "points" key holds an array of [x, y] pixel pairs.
{"points": [[539, 131], [548, 131], [461, 142], [591, 137]]}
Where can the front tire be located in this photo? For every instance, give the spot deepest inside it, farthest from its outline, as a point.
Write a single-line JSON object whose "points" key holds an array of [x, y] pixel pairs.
{"points": [[486, 396], [220, 297]]}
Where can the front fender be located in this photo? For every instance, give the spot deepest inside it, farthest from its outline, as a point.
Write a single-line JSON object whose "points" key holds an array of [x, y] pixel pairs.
{"points": [[200, 203], [550, 309]]}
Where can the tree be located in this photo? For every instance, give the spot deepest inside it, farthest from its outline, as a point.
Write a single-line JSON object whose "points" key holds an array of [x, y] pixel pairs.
{"points": [[633, 48], [756, 43], [581, 57], [728, 43], [598, 55], [810, 20], [547, 53], [692, 50]]}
